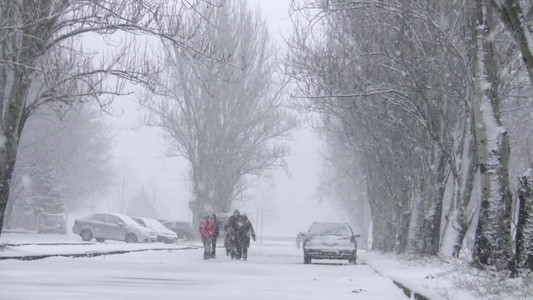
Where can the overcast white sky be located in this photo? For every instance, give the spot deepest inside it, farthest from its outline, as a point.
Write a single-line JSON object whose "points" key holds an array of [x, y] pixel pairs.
{"points": [[140, 150]]}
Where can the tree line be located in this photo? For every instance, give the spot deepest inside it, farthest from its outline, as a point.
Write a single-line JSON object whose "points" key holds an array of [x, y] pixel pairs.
{"points": [[421, 104]]}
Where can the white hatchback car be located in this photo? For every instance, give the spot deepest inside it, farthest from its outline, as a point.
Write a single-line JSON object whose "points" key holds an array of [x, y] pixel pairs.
{"points": [[330, 241], [111, 226]]}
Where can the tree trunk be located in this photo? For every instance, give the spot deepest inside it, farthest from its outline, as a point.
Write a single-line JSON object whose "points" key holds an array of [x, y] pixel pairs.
{"points": [[459, 218], [524, 226], [492, 244], [11, 128]]}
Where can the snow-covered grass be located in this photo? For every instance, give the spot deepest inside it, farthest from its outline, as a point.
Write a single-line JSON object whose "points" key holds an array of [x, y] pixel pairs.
{"points": [[453, 279]]}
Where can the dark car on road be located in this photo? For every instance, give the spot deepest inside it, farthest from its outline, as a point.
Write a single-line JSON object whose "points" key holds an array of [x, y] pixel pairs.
{"points": [[182, 229], [52, 223], [330, 241], [111, 226]]}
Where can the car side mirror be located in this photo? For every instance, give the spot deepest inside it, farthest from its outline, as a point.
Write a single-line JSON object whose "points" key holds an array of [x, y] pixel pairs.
{"points": [[120, 224], [357, 235]]}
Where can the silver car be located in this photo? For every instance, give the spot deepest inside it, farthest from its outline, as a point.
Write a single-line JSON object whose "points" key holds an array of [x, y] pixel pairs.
{"points": [[163, 234], [330, 241], [111, 226]]}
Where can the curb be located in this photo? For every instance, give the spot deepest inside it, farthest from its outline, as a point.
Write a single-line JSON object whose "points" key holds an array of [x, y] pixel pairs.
{"points": [[88, 254], [49, 244], [407, 291]]}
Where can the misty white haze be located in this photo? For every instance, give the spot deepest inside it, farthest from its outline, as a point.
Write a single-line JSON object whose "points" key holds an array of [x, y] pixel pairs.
{"points": [[295, 202], [266, 149]]}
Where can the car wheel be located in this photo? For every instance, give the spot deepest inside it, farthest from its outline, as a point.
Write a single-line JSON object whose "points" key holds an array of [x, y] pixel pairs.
{"points": [[86, 235], [307, 259], [100, 240], [131, 238]]}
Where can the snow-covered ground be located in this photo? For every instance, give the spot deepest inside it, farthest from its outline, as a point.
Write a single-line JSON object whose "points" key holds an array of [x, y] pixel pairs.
{"points": [[452, 279], [275, 270]]}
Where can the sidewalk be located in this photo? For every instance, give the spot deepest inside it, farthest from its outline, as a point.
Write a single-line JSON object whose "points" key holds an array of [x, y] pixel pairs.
{"points": [[30, 246], [435, 279]]}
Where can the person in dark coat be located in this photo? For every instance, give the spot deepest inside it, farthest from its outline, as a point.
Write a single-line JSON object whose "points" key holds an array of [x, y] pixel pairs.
{"points": [[231, 231], [214, 239], [245, 229]]}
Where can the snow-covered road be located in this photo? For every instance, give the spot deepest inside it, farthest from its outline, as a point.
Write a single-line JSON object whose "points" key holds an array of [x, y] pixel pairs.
{"points": [[271, 272]]}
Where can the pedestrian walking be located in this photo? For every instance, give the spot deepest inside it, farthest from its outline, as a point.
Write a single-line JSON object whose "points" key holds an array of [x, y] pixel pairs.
{"points": [[245, 230], [232, 229], [208, 228]]}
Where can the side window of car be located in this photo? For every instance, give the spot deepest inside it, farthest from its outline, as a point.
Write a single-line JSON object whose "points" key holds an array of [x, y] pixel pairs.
{"points": [[113, 220], [99, 218]]}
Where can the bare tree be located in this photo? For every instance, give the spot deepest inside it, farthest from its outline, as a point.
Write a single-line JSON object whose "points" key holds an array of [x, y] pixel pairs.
{"points": [[41, 61], [75, 148], [225, 117]]}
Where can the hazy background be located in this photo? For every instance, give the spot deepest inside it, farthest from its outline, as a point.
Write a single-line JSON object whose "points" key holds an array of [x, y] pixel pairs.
{"points": [[289, 207]]}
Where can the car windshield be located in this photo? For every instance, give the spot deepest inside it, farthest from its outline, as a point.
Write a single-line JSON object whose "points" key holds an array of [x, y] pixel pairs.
{"points": [[141, 222], [153, 223], [330, 229]]}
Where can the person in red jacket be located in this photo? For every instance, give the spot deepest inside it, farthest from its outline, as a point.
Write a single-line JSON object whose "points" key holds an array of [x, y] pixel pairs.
{"points": [[208, 228]]}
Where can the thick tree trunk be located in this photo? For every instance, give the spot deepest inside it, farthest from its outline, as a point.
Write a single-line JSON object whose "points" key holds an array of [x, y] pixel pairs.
{"points": [[459, 219], [11, 128], [464, 218], [492, 244]]}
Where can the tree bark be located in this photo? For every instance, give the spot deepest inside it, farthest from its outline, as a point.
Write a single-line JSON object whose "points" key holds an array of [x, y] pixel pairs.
{"points": [[524, 227], [492, 246], [11, 126]]}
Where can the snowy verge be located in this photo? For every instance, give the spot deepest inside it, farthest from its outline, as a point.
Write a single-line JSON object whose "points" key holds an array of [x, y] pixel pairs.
{"points": [[435, 279]]}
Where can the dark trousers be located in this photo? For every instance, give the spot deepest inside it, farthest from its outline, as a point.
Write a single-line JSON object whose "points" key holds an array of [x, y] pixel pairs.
{"points": [[214, 247], [207, 248], [241, 251]]}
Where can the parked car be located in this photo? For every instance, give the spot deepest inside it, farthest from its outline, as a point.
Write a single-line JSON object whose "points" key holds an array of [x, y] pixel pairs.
{"points": [[52, 223], [182, 229], [111, 226], [330, 241], [163, 234]]}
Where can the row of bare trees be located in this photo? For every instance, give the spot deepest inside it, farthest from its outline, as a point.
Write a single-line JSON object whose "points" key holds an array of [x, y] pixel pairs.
{"points": [[423, 98]]}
